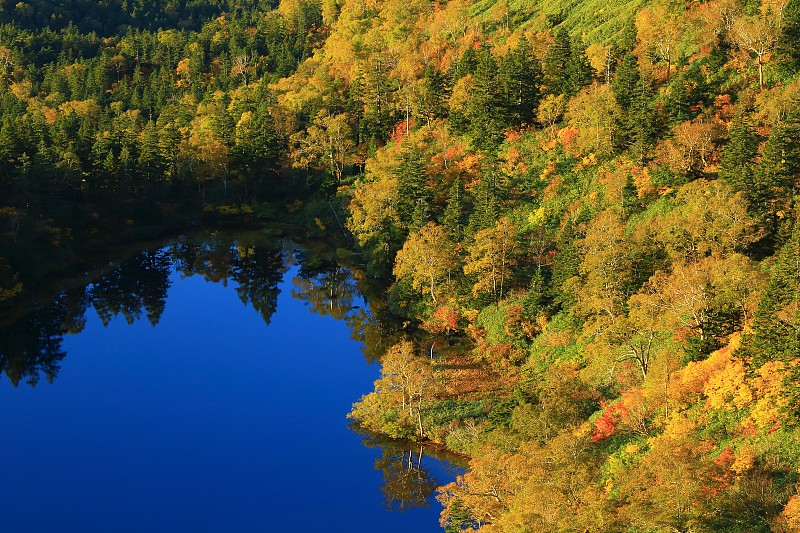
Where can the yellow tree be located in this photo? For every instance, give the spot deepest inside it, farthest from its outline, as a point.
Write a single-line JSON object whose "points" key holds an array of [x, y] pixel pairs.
{"points": [[702, 297], [607, 267], [489, 487], [592, 112], [404, 371], [691, 148], [425, 259], [710, 220], [756, 36], [326, 144], [669, 487], [550, 111], [491, 257], [407, 382], [204, 152], [659, 31]]}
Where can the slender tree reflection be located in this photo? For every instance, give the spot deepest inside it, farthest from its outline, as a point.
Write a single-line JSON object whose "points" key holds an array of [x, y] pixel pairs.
{"points": [[331, 289], [258, 270], [407, 483], [328, 288]]}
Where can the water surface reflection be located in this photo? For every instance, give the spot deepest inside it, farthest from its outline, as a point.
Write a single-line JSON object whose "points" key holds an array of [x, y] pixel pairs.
{"points": [[203, 413]]}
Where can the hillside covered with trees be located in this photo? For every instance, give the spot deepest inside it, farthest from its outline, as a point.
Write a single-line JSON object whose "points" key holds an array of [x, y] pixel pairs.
{"points": [[585, 213]]}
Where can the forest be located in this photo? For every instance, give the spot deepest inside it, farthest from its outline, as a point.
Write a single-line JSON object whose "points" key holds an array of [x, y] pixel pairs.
{"points": [[585, 215]]}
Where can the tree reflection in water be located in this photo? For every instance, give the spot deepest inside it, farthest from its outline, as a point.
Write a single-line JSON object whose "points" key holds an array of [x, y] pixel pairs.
{"points": [[407, 483], [330, 289], [136, 287], [257, 269], [132, 288]]}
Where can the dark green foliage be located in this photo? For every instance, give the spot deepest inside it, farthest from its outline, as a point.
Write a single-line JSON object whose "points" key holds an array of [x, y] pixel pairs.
{"points": [[565, 265], [556, 63], [789, 42], [631, 203], [775, 177], [679, 101], [454, 213], [258, 145], [486, 199], [535, 301], [465, 65], [486, 109], [378, 115], [500, 411], [460, 518], [413, 194], [624, 86], [566, 67], [738, 155], [435, 103], [441, 413], [355, 106], [520, 80], [579, 71], [628, 38], [626, 79], [636, 125], [776, 328]]}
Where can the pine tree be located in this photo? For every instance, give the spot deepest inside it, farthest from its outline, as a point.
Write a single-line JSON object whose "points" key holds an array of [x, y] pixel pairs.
{"points": [[355, 105], [738, 155], [776, 326], [626, 79], [642, 119], [520, 80], [579, 72], [486, 200], [259, 146], [789, 41], [433, 98], [151, 163], [465, 65], [412, 187], [378, 112], [679, 101], [777, 173], [453, 219], [485, 111], [556, 63], [630, 197], [421, 214]]}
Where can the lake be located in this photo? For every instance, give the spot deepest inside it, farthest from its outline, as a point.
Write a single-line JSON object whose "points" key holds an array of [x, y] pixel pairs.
{"points": [[202, 385]]}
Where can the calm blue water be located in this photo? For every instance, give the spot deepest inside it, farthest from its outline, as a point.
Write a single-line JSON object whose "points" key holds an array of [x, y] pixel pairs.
{"points": [[211, 420]]}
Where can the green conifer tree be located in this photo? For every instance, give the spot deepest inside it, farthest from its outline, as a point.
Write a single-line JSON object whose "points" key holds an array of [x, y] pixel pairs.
{"points": [[413, 194], [738, 155], [556, 64], [579, 72], [789, 42], [453, 219], [520, 80], [776, 326]]}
